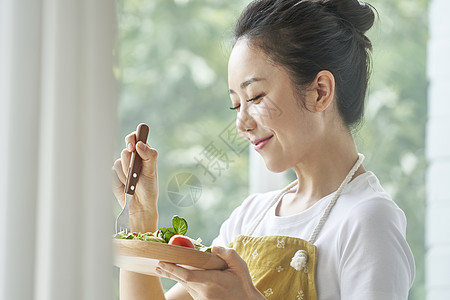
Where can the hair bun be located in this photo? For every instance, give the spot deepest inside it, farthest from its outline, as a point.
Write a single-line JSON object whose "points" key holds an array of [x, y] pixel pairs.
{"points": [[359, 14]]}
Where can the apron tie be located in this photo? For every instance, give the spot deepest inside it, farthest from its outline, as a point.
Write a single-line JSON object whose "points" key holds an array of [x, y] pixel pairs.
{"points": [[300, 261]]}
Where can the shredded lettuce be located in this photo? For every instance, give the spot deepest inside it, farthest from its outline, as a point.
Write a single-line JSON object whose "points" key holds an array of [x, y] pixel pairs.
{"points": [[148, 236]]}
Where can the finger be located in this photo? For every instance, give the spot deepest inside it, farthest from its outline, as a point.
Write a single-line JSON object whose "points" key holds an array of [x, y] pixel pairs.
{"points": [[178, 273], [120, 175], [130, 141], [149, 157], [125, 157], [117, 188], [118, 182], [164, 270], [231, 257]]}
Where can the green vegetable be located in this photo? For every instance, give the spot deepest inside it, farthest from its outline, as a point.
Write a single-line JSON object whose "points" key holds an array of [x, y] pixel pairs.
{"points": [[179, 226], [199, 246], [139, 236], [154, 239]]}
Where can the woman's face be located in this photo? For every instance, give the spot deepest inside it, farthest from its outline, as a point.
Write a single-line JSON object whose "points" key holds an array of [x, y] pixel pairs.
{"points": [[269, 113]]}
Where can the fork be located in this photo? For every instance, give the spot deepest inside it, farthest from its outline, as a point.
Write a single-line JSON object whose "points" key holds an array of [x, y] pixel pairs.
{"points": [[123, 219]]}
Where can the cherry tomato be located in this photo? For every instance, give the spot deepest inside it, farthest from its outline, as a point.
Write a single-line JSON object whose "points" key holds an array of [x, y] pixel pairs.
{"points": [[181, 240]]}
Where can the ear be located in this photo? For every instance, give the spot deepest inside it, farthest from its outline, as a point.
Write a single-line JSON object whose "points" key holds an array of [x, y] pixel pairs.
{"points": [[324, 85]]}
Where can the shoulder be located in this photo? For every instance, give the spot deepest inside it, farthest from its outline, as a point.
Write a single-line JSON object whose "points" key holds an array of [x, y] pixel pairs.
{"points": [[371, 240], [366, 202], [252, 207], [244, 216], [256, 203], [365, 216]]}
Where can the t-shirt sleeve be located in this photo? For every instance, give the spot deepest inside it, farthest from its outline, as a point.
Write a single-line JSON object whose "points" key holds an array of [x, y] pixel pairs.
{"points": [[228, 229], [375, 259], [239, 221]]}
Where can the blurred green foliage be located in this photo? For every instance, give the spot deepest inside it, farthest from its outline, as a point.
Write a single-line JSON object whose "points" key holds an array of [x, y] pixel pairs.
{"points": [[172, 74]]}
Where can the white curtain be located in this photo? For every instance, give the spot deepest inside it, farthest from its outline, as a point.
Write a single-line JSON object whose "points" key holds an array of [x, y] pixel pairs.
{"points": [[57, 124]]}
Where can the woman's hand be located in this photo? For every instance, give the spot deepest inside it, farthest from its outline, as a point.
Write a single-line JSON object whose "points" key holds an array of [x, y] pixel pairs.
{"points": [[232, 283], [143, 207]]}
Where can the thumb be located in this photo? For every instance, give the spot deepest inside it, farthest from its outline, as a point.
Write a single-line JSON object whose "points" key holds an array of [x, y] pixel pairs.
{"points": [[231, 257], [149, 157]]}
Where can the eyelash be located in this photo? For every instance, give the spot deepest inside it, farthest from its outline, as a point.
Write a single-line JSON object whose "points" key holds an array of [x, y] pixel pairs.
{"points": [[249, 100]]}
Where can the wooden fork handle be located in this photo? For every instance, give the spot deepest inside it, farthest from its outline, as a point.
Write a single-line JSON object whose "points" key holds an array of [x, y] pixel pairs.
{"points": [[136, 161]]}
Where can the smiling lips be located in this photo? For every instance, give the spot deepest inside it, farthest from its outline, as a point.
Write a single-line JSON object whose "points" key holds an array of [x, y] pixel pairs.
{"points": [[260, 143]]}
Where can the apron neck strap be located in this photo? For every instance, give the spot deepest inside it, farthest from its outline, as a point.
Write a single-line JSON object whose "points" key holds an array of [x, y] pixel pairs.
{"points": [[336, 195]]}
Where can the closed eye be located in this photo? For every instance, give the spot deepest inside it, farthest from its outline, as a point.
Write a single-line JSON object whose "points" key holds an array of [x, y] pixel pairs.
{"points": [[249, 100], [255, 98]]}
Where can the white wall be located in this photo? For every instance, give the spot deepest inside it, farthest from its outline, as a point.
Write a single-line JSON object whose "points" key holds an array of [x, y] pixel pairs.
{"points": [[438, 153]]}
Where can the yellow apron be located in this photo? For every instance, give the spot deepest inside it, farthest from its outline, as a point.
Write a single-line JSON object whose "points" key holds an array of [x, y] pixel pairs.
{"points": [[268, 259], [284, 267]]}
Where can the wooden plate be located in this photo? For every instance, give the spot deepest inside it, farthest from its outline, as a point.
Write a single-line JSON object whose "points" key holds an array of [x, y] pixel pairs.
{"points": [[143, 256]]}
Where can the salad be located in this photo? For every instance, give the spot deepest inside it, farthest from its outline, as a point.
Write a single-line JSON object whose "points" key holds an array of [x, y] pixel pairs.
{"points": [[175, 235]]}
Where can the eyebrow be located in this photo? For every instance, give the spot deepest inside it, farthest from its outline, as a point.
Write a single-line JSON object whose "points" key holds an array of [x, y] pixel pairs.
{"points": [[246, 83]]}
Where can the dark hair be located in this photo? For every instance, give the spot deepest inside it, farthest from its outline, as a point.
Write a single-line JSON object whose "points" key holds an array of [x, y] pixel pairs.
{"points": [[307, 36]]}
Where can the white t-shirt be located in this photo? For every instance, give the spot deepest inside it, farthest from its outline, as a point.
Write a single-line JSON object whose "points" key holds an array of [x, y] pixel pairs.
{"points": [[362, 250]]}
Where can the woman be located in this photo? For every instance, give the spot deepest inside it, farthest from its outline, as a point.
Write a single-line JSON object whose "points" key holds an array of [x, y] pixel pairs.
{"points": [[334, 233]]}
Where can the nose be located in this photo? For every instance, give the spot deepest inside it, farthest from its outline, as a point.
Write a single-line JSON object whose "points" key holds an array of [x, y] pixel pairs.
{"points": [[244, 121]]}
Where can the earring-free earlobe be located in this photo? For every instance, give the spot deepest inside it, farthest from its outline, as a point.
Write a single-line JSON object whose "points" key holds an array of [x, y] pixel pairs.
{"points": [[325, 90]]}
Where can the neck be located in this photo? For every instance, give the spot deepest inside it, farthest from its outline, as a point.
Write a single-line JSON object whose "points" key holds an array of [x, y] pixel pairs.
{"points": [[323, 170]]}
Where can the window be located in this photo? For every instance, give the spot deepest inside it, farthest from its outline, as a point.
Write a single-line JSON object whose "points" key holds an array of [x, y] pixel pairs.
{"points": [[172, 69]]}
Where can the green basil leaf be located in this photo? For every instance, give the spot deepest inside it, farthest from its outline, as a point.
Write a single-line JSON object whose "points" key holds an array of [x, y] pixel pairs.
{"points": [[169, 234], [180, 225], [163, 230]]}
